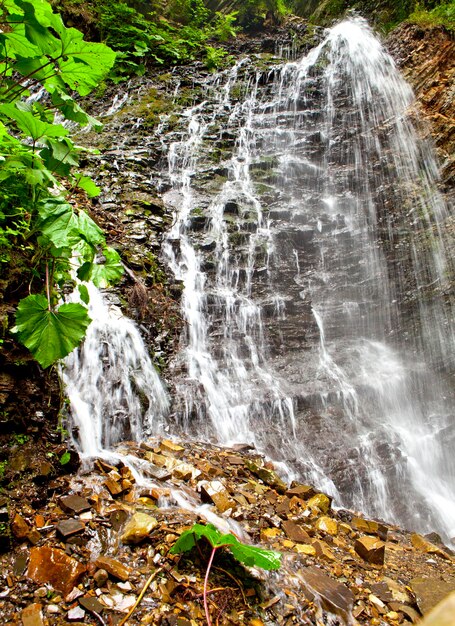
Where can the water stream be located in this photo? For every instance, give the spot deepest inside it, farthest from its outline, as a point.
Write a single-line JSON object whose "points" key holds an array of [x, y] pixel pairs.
{"points": [[309, 236]]}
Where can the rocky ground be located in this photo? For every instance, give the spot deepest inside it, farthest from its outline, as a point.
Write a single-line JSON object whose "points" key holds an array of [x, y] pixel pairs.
{"points": [[96, 551]]}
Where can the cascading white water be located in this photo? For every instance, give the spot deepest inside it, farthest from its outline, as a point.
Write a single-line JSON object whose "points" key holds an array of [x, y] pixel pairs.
{"points": [[113, 388], [316, 279]]}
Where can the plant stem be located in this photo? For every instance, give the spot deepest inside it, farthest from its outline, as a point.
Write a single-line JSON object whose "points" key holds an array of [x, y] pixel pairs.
{"points": [[206, 608], [48, 288]]}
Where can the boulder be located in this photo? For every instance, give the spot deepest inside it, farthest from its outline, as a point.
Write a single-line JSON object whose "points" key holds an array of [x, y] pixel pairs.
{"points": [[327, 525], [320, 501]]}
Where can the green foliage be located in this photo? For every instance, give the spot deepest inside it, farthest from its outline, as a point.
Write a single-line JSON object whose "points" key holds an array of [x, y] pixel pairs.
{"points": [[214, 57], [223, 26], [158, 34], [38, 165], [441, 15], [248, 555], [3, 466], [19, 439], [254, 13]]}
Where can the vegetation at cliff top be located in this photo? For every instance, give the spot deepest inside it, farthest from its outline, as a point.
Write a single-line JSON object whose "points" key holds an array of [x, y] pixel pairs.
{"points": [[149, 33]]}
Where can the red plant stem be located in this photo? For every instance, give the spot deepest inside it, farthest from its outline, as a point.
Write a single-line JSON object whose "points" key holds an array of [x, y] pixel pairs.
{"points": [[206, 608], [48, 288]]}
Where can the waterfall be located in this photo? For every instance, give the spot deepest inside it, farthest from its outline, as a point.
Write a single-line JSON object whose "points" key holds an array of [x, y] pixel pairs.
{"points": [[310, 238], [114, 391]]}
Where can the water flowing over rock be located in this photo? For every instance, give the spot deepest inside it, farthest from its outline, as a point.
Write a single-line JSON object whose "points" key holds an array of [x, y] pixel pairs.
{"points": [[312, 242], [112, 385]]}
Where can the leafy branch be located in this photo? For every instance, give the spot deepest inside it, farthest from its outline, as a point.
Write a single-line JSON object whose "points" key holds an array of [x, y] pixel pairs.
{"points": [[38, 163]]}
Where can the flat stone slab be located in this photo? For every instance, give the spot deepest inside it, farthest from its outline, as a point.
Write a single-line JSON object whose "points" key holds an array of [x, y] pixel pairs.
{"points": [[333, 596], [74, 504], [70, 527], [54, 567]]}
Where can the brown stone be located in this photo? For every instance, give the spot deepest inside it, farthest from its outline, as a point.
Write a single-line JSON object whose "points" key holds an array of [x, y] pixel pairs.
{"points": [[327, 525], [74, 504], [54, 567], [407, 610], [113, 486], [20, 527], [235, 460], [323, 550], [430, 591], [117, 518], [91, 604], [113, 567], [268, 476], [370, 549], [215, 492], [295, 532], [333, 596], [100, 577], [283, 508], [370, 527], [305, 549], [169, 447], [301, 491], [32, 615], [70, 527], [423, 545]]}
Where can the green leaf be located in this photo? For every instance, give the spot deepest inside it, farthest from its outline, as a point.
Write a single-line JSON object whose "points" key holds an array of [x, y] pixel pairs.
{"points": [[16, 44], [69, 107], [251, 556], [59, 223], [109, 272], [31, 125], [83, 293], [84, 64], [87, 184], [89, 230], [50, 335], [65, 458]]}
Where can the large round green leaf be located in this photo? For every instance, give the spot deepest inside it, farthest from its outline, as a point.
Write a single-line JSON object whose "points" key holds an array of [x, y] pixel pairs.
{"points": [[50, 335]]}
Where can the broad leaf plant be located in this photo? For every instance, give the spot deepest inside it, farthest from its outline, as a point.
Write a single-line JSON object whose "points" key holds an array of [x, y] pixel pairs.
{"points": [[44, 66]]}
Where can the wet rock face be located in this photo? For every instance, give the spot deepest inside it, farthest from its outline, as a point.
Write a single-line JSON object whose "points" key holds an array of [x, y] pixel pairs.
{"points": [[425, 56]]}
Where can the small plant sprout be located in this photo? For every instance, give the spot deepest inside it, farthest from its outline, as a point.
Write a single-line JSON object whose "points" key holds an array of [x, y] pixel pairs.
{"points": [[248, 555]]}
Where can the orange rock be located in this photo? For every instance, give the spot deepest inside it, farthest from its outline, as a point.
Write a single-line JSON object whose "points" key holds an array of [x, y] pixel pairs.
{"points": [[370, 549], [20, 527], [113, 567], [32, 615], [54, 567]]}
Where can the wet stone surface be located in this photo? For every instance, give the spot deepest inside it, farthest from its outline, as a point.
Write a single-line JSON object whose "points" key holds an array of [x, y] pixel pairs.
{"points": [[128, 535]]}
